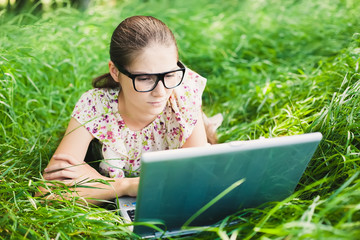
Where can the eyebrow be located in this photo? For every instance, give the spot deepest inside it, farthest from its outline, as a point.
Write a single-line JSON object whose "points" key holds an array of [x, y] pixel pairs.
{"points": [[140, 72]]}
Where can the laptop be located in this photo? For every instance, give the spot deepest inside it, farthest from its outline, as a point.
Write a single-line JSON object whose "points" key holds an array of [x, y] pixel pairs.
{"points": [[182, 189]]}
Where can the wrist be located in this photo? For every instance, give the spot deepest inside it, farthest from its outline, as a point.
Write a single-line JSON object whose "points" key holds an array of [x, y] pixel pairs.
{"points": [[129, 187], [119, 185], [123, 186]]}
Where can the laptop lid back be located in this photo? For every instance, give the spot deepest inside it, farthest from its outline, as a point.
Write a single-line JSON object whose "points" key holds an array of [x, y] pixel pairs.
{"points": [[175, 184]]}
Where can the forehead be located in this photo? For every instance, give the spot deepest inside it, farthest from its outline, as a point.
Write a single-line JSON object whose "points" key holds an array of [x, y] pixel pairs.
{"points": [[154, 59]]}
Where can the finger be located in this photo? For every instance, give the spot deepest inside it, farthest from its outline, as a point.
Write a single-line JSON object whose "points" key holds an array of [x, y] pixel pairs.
{"points": [[67, 182], [59, 175], [76, 182], [60, 163], [57, 166]]}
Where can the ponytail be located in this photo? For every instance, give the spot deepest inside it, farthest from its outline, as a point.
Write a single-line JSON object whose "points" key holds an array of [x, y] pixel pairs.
{"points": [[105, 81]]}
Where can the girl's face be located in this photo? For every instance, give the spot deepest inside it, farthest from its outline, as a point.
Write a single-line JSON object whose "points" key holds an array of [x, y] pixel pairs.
{"points": [[154, 59]]}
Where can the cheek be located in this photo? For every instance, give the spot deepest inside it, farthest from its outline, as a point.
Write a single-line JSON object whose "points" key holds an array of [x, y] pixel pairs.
{"points": [[140, 98], [169, 92], [136, 97], [124, 83]]}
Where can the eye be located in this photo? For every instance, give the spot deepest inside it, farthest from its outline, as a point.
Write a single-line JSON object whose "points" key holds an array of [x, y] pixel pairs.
{"points": [[143, 78], [170, 75]]}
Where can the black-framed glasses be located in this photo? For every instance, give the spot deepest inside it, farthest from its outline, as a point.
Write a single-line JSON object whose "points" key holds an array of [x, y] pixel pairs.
{"points": [[146, 82]]}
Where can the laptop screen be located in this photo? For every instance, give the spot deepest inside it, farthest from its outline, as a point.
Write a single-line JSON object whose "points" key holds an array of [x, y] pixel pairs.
{"points": [[176, 184]]}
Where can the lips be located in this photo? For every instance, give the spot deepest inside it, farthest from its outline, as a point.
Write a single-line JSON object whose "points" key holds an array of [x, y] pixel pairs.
{"points": [[157, 103]]}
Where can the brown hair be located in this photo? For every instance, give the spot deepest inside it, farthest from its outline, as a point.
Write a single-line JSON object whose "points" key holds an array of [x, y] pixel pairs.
{"points": [[129, 38]]}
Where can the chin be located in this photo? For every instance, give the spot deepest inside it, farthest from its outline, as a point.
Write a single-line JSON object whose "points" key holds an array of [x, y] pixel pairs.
{"points": [[156, 110]]}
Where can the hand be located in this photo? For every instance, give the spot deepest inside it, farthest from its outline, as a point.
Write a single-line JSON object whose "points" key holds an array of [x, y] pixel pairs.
{"points": [[70, 171], [132, 185]]}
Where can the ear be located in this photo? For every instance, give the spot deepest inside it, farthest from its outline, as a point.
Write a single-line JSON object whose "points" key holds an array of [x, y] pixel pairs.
{"points": [[114, 72]]}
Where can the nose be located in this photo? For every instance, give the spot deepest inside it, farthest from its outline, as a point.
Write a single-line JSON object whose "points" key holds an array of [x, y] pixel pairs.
{"points": [[159, 90]]}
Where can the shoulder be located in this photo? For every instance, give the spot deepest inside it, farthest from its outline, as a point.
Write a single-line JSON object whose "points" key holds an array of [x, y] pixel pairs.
{"points": [[96, 96], [95, 102], [99, 93], [191, 90], [192, 78], [185, 106]]}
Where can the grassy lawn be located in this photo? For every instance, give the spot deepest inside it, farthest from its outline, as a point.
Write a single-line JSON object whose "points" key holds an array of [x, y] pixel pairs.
{"points": [[273, 67]]}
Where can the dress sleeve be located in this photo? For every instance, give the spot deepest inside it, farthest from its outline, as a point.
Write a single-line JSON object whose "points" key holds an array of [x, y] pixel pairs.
{"points": [[91, 106], [186, 102], [95, 112]]}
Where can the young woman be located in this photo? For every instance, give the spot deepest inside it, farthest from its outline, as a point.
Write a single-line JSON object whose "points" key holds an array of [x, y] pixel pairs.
{"points": [[148, 101]]}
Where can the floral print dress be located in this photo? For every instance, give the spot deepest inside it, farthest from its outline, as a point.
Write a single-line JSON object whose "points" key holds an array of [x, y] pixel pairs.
{"points": [[97, 111]]}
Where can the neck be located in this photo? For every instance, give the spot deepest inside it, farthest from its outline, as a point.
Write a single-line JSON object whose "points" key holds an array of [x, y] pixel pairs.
{"points": [[136, 123]]}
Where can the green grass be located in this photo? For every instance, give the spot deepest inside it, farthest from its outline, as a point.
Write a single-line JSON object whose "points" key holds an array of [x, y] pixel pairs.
{"points": [[273, 67]]}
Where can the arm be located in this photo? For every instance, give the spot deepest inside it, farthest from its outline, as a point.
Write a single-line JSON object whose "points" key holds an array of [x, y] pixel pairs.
{"points": [[68, 166], [198, 135]]}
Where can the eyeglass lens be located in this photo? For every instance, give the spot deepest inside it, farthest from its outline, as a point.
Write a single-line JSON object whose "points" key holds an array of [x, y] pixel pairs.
{"points": [[147, 82]]}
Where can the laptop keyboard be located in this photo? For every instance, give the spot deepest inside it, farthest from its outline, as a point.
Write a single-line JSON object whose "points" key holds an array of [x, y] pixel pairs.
{"points": [[131, 214]]}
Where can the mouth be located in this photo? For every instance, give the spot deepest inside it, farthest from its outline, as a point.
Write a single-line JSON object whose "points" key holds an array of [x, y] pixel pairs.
{"points": [[157, 103]]}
